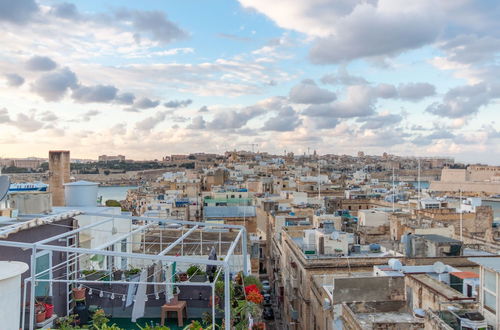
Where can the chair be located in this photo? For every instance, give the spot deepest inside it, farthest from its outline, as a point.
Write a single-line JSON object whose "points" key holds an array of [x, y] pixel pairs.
{"points": [[179, 308]]}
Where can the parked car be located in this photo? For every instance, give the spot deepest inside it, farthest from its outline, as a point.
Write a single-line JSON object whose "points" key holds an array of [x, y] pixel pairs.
{"points": [[268, 313], [266, 287], [267, 299]]}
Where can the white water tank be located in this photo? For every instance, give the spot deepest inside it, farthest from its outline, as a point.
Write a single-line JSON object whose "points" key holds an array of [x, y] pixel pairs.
{"points": [[10, 287], [81, 193]]}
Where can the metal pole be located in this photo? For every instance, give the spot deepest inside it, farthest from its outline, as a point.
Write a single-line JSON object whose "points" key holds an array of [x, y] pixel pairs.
{"points": [[23, 320], [122, 237], [244, 251], [53, 238], [177, 241], [181, 222], [232, 247], [113, 253], [32, 287], [227, 298], [213, 306], [125, 282]]}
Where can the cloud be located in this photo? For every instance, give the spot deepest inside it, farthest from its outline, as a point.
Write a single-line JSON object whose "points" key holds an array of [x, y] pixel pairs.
{"points": [[325, 123], [423, 140], [380, 121], [26, 123], [471, 48], [197, 123], [18, 11], [14, 80], [307, 92], [203, 109], [233, 37], [286, 120], [125, 98], [464, 100], [233, 119], [348, 30], [177, 103], [416, 91], [343, 78], [89, 114], [48, 116], [40, 63], [151, 122], [4, 116], [359, 101], [54, 85], [153, 22], [146, 103], [65, 10], [97, 94]]}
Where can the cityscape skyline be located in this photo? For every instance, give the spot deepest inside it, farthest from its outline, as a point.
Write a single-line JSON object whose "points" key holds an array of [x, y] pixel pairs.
{"points": [[150, 79]]}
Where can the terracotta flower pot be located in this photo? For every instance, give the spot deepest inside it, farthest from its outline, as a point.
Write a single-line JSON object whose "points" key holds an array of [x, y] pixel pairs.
{"points": [[40, 317], [217, 301], [79, 294]]}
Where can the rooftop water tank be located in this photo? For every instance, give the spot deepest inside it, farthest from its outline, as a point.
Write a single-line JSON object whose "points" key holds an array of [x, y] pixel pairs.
{"points": [[374, 247], [395, 264], [10, 299], [81, 193]]}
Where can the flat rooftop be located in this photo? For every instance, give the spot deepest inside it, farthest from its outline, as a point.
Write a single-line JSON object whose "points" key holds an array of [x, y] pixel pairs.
{"points": [[438, 286], [367, 319]]}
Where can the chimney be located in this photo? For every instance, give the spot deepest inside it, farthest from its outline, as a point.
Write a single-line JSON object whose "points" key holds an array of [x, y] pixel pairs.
{"points": [[58, 175]]}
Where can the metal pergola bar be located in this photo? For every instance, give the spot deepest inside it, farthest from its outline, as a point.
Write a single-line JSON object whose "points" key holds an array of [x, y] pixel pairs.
{"points": [[177, 241], [42, 245]]}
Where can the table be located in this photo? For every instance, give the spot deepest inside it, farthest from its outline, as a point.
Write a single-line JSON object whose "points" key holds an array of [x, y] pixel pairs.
{"points": [[179, 308]]}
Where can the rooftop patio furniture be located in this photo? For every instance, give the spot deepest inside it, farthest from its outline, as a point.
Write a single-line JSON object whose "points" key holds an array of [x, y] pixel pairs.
{"points": [[179, 308]]}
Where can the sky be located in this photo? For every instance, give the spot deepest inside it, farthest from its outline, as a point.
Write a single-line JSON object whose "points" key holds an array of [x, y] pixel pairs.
{"points": [[152, 78]]}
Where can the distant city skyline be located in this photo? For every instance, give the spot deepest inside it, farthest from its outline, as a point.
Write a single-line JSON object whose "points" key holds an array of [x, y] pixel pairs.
{"points": [[152, 78]]}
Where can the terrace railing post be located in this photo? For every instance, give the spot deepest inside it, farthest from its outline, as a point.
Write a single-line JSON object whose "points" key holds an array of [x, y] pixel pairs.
{"points": [[227, 296], [244, 250], [32, 287]]}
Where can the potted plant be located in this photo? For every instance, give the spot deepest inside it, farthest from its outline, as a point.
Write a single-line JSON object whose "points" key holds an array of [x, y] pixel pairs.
{"points": [[117, 274], [195, 274], [79, 293], [132, 272], [40, 312], [49, 310], [183, 276]]}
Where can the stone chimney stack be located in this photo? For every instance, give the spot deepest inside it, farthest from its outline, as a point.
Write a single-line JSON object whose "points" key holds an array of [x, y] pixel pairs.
{"points": [[58, 175]]}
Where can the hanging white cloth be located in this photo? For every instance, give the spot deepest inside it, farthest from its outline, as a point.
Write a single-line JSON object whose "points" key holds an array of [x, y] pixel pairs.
{"points": [[169, 288], [140, 297], [158, 277], [131, 291]]}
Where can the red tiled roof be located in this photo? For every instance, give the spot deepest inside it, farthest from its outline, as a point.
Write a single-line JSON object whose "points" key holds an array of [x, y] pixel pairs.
{"points": [[464, 275]]}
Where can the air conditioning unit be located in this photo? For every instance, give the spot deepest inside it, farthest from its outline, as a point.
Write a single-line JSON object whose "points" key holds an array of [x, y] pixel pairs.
{"points": [[294, 315]]}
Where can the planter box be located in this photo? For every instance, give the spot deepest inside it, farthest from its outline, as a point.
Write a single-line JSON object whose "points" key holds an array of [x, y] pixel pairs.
{"points": [[198, 278]]}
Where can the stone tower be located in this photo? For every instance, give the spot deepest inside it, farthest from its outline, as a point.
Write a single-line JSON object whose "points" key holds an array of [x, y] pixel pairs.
{"points": [[58, 175]]}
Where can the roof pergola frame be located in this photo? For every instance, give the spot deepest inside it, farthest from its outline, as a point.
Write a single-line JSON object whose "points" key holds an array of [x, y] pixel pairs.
{"points": [[43, 245]]}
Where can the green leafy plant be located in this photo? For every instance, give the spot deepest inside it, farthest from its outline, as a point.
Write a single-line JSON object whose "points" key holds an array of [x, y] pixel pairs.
{"points": [[132, 271], [67, 322], [194, 325], [194, 269], [153, 327], [243, 310]]}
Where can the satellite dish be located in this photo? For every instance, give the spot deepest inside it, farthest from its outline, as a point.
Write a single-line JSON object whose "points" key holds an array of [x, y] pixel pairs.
{"points": [[4, 186], [439, 267]]}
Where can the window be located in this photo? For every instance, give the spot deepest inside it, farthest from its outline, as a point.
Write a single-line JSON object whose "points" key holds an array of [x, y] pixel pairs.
{"points": [[489, 301], [43, 262], [490, 281]]}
